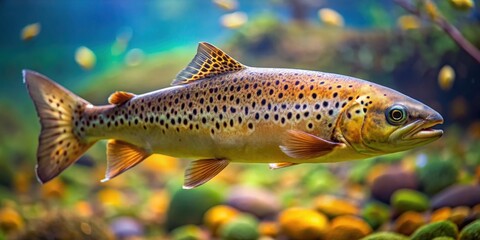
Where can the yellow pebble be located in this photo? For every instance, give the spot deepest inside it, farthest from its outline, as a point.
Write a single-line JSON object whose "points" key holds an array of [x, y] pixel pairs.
{"points": [[446, 77], [301, 223], [234, 20], [110, 197], [462, 4], [54, 189], [408, 222], [10, 220], [160, 164], [441, 214], [330, 17], [228, 5], [408, 22], [30, 31], [217, 216], [269, 229], [352, 222], [333, 206], [84, 209], [459, 214], [85, 58], [158, 203]]}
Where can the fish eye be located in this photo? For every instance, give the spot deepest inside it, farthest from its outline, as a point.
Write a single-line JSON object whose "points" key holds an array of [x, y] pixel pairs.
{"points": [[396, 114]]}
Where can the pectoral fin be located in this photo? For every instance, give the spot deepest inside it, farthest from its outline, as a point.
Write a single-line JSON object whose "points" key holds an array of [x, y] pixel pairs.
{"points": [[122, 156], [302, 145], [281, 165], [201, 171]]}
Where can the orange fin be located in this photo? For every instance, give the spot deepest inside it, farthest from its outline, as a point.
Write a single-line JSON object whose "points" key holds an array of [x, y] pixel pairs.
{"points": [[122, 156], [209, 61], [201, 171], [119, 97], [60, 145], [281, 165], [302, 145]]}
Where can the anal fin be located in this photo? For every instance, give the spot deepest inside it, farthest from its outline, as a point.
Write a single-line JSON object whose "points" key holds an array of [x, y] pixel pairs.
{"points": [[119, 97], [122, 156], [281, 165], [201, 171], [302, 145]]}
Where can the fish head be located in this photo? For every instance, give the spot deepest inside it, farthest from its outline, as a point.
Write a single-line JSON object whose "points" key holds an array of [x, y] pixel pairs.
{"points": [[386, 121]]}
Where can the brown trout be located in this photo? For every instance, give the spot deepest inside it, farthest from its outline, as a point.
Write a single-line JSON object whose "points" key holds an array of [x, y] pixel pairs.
{"points": [[220, 111]]}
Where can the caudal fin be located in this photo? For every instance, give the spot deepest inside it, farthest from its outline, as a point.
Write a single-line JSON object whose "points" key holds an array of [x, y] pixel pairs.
{"points": [[60, 142]]}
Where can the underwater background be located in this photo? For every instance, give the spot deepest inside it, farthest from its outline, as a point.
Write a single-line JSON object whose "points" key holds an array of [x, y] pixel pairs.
{"points": [[94, 48]]}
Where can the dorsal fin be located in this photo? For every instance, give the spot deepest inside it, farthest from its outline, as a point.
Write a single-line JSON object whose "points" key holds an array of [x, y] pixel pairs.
{"points": [[209, 61], [119, 97]]}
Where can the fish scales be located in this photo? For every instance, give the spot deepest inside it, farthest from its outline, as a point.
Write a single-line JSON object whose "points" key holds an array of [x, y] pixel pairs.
{"points": [[213, 118], [219, 111]]}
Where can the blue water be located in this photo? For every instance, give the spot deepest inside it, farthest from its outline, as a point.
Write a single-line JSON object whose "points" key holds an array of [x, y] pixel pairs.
{"points": [[156, 26]]}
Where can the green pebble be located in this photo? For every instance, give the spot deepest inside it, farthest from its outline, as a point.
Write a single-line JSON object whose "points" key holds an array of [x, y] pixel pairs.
{"points": [[409, 200], [436, 175], [436, 229], [375, 214], [471, 231], [244, 227], [385, 236], [189, 206], [187, 232]]}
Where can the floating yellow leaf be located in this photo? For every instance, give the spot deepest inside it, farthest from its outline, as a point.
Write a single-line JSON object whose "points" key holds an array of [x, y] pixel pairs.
{"points": [[30, 31], [432, 10], [408, 22], [85, 58], [134, 57], [446, 77], [228, 5], [234, 20], [330, 17], [121, 42], [462, 4], [119, 47]]}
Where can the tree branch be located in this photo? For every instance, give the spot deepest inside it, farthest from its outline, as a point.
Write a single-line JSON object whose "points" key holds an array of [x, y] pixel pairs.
{"points": [[448, 28]]}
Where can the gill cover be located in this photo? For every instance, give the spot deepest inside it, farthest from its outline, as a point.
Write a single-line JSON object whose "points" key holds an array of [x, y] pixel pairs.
{"points": [[350, 125]]}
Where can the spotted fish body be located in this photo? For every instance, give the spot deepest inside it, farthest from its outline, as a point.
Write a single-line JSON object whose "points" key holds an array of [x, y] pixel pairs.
{"points": [[220, 111]]}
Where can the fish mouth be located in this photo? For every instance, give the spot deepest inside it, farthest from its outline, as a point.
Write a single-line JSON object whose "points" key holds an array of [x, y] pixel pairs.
{"points": [[424, 130], [419, 131]]}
